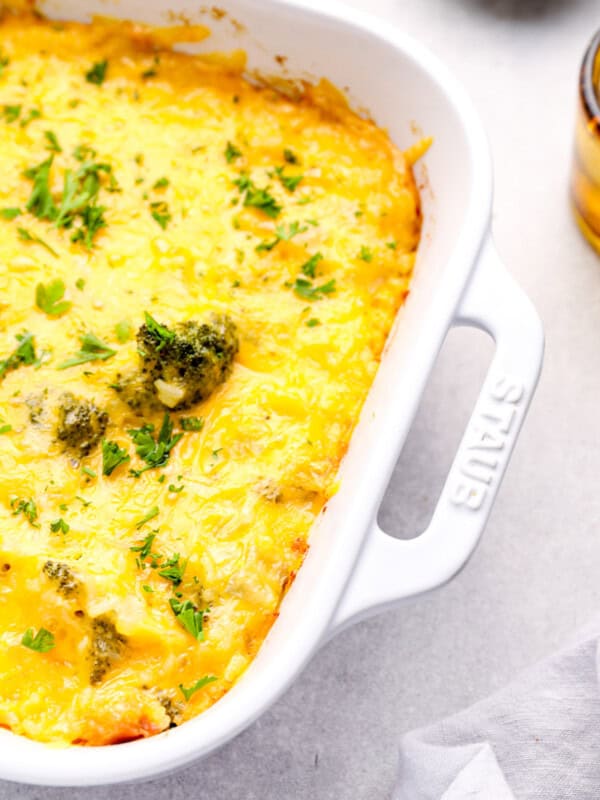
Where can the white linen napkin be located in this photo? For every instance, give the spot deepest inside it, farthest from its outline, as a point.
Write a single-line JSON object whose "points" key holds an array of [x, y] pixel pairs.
{"points": [[537, 739]]}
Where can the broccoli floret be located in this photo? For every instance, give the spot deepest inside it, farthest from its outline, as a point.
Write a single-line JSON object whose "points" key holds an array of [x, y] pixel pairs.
{"points": [[172, 707], [60, 572], [106, 648], [81, 424], [185, 364]]}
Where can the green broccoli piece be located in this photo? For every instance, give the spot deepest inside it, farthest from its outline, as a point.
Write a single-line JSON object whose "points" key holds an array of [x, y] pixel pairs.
{"points": [[185, 364], [59, 572], [81, 424], [107, 647]]}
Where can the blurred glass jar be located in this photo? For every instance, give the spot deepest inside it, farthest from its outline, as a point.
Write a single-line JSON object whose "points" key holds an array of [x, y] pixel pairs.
{"points": [[585, 177]]}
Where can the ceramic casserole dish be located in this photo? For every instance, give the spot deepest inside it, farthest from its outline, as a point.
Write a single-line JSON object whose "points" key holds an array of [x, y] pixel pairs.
{"points": [[353, 568]]}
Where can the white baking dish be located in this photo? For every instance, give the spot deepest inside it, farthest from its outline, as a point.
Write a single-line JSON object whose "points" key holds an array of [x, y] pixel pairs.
{"points": [[353, 568]]}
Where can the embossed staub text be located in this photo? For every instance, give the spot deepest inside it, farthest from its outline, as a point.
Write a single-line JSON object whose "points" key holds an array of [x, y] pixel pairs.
{"points": [[485, 444]]}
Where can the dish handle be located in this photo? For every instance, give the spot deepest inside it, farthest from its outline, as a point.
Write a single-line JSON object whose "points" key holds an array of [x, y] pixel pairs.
{"points": [[389, 569]]}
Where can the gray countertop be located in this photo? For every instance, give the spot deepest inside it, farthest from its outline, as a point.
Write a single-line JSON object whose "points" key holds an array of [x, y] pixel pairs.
{"points": [[534, 578]]}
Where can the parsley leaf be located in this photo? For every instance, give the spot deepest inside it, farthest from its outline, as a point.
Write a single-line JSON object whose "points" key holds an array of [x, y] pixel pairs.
{"points": [[308, 291], [41, 642], [112, 456], [27, 236], [281, 235], [41, 203], [160, 212], [309, 268], [161, 183], [290, 182], [10, 213], [365, 254], [53, 144], [59, 525], [257, 198], [92, 349], [26, 507], [153, 512], [5, 428], [48, 298], [231, 152], [312, 323], [33, 113], [173, 570], [195, 687], [11, 113], [155, 452], [97, 73], [23, 354], [188, 617], [145, 548]]}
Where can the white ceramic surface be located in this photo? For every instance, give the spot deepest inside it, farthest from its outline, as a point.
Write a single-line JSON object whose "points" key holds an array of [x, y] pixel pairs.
{"points": [[353, 568]]}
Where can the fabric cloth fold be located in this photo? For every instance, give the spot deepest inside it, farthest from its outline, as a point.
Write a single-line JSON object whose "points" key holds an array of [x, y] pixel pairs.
{"points": [[537, 739]]}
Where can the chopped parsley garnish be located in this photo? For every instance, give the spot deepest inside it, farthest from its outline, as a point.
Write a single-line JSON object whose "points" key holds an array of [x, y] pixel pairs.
{"points": [[23, 354], [281, 235], [145, 548], [49, 298], [175, 489], [191, 423], [365, 254], [308, 291], [173, 569], [147, 588], [4, 62], [195, 687], [97, 73], [92, 349], [392, 245], [33, 113], [92, 220], [27, 236], [257, 198], [5, 428], [41, 642], [124, 329], [59, 525], [26, 507], [10, 213], [160, 212], [89, 472], [112, 456], [231, 152], [53, 144], [11, 113], [153, 512], [40, 202], [290, 182], [161, 334], [155, 452], [309, 268], [83, 152], [78, 202], [188, 617], [313, 322], [161, 183], [290, 156]]}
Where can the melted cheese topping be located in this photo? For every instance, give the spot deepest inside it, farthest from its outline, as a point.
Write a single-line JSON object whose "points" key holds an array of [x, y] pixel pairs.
{"points": [[265, 462]]}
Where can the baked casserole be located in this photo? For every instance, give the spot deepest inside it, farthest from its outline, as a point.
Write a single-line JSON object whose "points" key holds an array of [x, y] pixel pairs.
{"points": [[198, 273]]}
